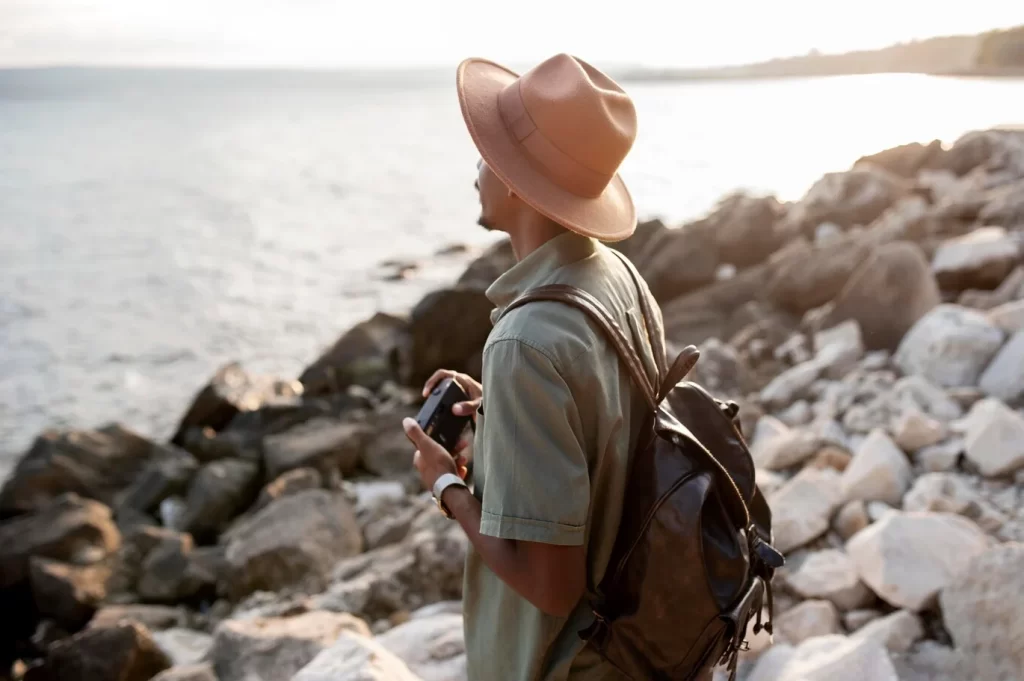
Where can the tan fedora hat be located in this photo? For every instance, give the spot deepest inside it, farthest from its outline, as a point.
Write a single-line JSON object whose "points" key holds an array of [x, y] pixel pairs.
{"points": [[555, 136]]}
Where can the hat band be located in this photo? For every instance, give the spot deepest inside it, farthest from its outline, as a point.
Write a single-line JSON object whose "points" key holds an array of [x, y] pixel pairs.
{"points": [[552, 162]]}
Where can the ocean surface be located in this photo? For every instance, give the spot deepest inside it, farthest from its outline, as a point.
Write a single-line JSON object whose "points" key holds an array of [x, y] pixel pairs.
{"points": [[155, 225]]}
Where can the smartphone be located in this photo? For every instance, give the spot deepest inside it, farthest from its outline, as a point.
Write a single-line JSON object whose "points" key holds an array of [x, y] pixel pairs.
{"points": [[436, 417]]}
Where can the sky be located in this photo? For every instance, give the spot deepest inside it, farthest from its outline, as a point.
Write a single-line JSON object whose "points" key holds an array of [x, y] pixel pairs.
{"points": [[429, 33]]}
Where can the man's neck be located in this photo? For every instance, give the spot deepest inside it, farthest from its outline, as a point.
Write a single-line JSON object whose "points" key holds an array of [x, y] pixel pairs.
{"points": [[532, 231]]}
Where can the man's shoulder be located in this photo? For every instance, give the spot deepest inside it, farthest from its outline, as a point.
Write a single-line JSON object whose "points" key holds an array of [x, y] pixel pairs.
{"points": [[557, 330]]}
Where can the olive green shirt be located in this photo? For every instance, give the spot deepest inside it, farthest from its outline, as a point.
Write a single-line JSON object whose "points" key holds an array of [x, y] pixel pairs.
{"points": [[558, 421]]}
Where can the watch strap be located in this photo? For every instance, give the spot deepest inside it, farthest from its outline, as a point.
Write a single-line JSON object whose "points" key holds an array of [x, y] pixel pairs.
{"points": [[443, 483]]}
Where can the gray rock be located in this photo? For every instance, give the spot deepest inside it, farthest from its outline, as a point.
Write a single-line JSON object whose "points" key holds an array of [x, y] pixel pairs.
{"points": [[943, 492], [803, 507], [897, 632], [878, 510], [167, 474], [164, 568], [1004, 377], [940, 457], [432, 646], [123, 652], [355, 657], [797, 414], [183, 646], [807, 620], [931, 661], [839, 348], [879, 471], [1009, 316], [995, 438], [983, 611], [832, 576], [192, 672], [851, 519], [907, 558], [219, 491], [980, 259], [292, 482], [791, 384], [856, 619], [949, 346], [322, 443], [775, 446], [276, 648], [829, 658], [933, 400]]}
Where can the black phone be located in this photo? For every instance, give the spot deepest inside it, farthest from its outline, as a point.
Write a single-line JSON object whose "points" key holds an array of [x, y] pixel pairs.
{"points": [[436, 417]]}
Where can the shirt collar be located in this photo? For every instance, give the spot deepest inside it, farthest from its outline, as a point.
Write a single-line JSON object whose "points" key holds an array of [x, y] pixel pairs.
{"points": [[537, 267]]}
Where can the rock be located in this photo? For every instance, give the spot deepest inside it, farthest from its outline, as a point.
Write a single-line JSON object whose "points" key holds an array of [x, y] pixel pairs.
{"points": [[67, 593], [163, 575], [355, 658], [447, 328], [914, 430], [809, 619], [297, 538], [797, 414], [887, 294], [994, 439], [768, 481], [1011, 289], [94, 464], [183, 646], [983, 611], [192, 672], [791, 384], [931, 661], [232, 390], [276, 648], [856, 619], [920, 392], [367, 355], [167, 474], [1004, 205], [1008, 317], [941, 457], [123, 652], [986, 149], [831, 575], [839, 348], [677, 261], [853, 197], [388, 452], [942, 492], [907, 558], [832, 457], [832, 658], [878, 510], [803, 507], [286, 484], [806, 278], [323, 443], [775, 446], [152, 617], [431, 646], [69, 529], [219, 492], [905, 160], [721, 370], [980, 259], [896, 632], [949, 346], [743, 227], [851, 519], [1004, 377], [769, 664], [879, 471]]}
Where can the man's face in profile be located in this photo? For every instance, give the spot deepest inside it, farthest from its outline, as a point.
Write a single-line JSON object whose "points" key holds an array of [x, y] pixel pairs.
{"points": [[493, 194]]}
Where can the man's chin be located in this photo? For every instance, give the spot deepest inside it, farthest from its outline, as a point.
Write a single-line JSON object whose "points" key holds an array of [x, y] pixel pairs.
{"points": [[486, 224]]}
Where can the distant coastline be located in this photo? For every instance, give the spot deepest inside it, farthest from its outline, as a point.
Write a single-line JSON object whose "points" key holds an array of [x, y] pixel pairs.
{"points": [[995, 54]]}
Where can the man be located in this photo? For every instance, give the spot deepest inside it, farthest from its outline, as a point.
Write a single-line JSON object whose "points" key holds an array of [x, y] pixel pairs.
{"points": [[556, 416]]}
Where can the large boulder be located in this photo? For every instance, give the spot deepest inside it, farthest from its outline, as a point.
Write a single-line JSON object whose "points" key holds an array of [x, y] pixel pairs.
{"points": [[994, 441], [431, 645], [167, 474], [950, 346], [287, 484], [808, 277], [905, 160], [1004, 376], [887, 295], [826, 658], [988, 150], [326, 444], [495, 261], [69, 594], [853, 197], [276, 648], [897, 632], [447, 328], [94, 464], [979, 260], [803, 507], [368, 354], [678, 261], [296, 539], [356, 657], [983, 611], [743, 227], [907, 558], [123, 652], [1004, 205], [219, 491]]}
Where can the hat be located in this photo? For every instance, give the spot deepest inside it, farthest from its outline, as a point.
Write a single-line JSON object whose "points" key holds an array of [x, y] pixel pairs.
{"points": [[555, 136]]}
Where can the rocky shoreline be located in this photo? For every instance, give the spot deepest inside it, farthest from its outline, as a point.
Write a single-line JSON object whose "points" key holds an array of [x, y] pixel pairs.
{"points": [[872, 332]]}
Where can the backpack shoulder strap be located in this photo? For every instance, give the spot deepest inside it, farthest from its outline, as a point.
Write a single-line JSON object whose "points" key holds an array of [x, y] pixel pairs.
{"points": [[590, 305], [652, 321]]}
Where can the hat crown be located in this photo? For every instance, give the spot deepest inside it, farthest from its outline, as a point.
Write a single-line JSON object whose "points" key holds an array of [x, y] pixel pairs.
{"points": [[579, 111]]}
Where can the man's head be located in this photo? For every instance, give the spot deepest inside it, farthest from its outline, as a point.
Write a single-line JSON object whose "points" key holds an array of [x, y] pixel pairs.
{"points": [[551, 142]]}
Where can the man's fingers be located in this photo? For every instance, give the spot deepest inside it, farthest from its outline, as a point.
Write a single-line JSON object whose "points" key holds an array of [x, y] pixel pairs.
{"points": [[465, 408], [436, 378], [415, 433]]}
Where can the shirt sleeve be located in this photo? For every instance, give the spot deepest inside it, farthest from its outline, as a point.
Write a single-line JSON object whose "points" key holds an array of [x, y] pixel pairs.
{"points": [[538, 482]]}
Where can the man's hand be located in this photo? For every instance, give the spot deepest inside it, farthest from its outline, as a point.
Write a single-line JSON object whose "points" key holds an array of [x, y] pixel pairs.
{"points": [[473, 389], [431, 459]]}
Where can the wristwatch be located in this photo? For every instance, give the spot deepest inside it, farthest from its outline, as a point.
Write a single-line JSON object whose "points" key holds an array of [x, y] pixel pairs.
{"points": [[443, 483]]}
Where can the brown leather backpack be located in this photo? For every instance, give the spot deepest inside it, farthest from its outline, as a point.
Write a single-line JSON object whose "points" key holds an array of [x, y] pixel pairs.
{"points": [[693, 561]]}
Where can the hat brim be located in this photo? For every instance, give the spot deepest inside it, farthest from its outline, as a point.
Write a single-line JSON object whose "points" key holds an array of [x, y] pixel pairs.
{"points": [[608, 217]]}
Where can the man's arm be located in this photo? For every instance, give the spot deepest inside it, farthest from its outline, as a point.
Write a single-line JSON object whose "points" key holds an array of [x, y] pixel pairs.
{"points": [[550, 576]]}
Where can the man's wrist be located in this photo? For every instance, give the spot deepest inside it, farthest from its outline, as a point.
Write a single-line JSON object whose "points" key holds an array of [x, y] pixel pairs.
{"points": [[444, 484]]}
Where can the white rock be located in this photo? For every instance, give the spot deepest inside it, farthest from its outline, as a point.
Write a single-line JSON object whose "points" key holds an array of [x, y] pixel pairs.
{"points": [[950, 346], [919, 391], [183, 646], [802, 508], [371, 494], [1004, 377], [431, 646], [1009, 317], [940, 457], [931, 661], [355, 657], [839, 349], [942, 492], [879, 471], [809, 619], [994, 439], [777, 446], [796, 414], [790, 384], [983, 610], [851, 519], [897, 632], [914, 429], [878, 510], [856, 619], [831, 575], [836, 658], [981, 258], [772, 662], [768, 481], [907, 558]]}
